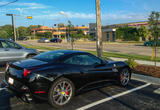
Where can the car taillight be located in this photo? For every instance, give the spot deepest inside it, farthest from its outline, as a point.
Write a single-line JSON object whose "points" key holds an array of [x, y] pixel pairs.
{"points": [[7, 66], [26, 72]]}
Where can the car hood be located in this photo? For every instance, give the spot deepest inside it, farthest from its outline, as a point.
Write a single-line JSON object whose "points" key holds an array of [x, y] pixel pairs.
{"points": [[30, 63]]}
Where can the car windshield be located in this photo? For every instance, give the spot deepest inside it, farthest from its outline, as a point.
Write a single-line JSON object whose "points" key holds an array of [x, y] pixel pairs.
{"points": [[49, 56]]}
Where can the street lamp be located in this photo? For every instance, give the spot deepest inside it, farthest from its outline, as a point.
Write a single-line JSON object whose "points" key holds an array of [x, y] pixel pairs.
{"points": [[65, 15]]}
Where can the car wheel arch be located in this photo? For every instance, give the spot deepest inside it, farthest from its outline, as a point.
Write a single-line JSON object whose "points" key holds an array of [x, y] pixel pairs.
{"points": [[29, 55], [64, 76]]}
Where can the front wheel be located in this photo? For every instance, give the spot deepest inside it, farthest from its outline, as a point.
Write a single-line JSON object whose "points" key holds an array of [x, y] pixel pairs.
{"points": [[61, 92], [124, 77]]}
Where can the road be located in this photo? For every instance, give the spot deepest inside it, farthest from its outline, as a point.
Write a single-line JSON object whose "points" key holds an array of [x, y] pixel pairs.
{"points": [[108, 47], [136, 96]]}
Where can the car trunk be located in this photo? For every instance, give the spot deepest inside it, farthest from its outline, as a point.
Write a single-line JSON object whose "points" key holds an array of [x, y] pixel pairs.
{"points": [[15, 73]]}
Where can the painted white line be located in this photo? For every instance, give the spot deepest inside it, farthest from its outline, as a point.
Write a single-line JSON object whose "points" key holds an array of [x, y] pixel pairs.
{"points": [[113, 97], [2, 89], [2, 72], [157, 91]]}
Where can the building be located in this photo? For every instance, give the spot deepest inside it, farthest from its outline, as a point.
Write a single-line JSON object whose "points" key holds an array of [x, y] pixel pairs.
{"points": [[58, 31], [109, 31]]}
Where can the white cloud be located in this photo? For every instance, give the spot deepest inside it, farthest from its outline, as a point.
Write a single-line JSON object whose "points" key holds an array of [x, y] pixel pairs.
{"points": [[81, 15], [125, 16], [71, 15], [27, 5]]}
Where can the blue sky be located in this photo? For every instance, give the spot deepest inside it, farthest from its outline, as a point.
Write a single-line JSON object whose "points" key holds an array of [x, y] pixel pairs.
{"points": [[79, 12]]}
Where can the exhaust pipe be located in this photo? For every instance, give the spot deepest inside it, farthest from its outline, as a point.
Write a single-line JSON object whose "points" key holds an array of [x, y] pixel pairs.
{"points": [[26, 98]]}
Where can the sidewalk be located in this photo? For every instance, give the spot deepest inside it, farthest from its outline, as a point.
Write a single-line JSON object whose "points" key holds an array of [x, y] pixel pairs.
{"points": [[138, 61]]}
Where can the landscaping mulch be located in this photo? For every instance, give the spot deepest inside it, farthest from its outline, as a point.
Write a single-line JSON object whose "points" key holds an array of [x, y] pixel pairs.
{"points": [[147, 70]]}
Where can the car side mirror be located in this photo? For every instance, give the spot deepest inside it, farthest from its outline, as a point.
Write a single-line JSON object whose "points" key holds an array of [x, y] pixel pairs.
{"points": [[101, 64], [19, 48]]}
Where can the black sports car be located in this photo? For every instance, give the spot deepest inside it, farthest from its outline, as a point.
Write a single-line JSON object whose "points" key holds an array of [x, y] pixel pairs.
{"points": [[56, 75], [56, 40]]}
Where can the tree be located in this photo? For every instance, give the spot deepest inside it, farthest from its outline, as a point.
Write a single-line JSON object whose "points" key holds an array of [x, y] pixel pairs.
{"points": [[80, 31], [70, 29], [143, 32], [23, 31], [120, 33], [127, 33], [33, 26], [48, 34], [8, 29], [3, 34], [154, 29]]}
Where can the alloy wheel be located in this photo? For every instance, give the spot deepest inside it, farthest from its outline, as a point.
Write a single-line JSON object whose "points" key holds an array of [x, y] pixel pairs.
{"points": [[125, 77], [62, 93]]}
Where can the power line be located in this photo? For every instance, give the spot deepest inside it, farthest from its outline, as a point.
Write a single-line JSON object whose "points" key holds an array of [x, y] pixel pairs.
{"points": [[8, 3]]}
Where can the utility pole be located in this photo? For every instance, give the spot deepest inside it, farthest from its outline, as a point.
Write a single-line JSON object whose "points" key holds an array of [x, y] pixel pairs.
{"points": [[13, 26], [99, 30]]}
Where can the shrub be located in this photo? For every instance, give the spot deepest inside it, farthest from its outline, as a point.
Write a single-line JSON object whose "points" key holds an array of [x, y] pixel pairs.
{"points": [[131, 62]]}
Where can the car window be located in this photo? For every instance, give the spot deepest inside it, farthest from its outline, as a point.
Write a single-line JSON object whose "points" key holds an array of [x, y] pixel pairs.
{"points": [[83, 60], [13, 45], [49, 56], [5, 44]]}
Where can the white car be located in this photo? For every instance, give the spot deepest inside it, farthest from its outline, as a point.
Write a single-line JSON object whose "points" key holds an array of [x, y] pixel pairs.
{"points": [[11, 51], [43, 40]]}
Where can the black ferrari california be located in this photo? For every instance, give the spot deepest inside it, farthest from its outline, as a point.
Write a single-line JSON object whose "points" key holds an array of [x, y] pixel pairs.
{"points": [[56, 76]]}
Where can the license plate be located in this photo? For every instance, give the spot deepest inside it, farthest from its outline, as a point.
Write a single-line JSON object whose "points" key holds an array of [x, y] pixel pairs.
{"points": [[10, 80]]}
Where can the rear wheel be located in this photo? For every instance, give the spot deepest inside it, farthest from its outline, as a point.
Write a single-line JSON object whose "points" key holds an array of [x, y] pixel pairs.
{"points": [[61, 92], [124, 77]]}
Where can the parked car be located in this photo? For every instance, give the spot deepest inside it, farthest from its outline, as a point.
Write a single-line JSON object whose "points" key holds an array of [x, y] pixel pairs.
{"points": [[43, 40], [57, 75], [151, 43], [11, 51], [56, 40]]}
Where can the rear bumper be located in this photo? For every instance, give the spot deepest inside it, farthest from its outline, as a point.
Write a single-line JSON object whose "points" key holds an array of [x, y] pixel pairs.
{"points": [[27, 95]]}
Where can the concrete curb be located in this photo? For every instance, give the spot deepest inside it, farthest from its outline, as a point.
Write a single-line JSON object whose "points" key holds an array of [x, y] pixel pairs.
{"points": [[148, 79], [138, 61]]}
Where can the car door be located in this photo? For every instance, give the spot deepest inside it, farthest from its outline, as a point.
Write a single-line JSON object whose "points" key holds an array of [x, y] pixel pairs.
{"points": [[11, 51], [16, 51], [96, 69], [4, 51], [90, 67]]}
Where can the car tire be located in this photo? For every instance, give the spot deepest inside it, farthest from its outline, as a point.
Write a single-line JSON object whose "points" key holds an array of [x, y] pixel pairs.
{"points": [[61, 92], [124, 77]]}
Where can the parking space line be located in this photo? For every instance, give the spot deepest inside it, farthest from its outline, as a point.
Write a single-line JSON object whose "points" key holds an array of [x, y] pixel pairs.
{"points": [[157, 91], [2, 72], [112, 97]]}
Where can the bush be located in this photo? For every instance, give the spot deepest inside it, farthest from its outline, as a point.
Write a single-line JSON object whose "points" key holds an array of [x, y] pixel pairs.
{"points": [[131, 62]]}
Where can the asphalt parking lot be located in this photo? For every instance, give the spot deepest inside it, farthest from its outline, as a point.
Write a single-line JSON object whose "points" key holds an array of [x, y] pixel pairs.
{"points": [[136, 96], [125, 48]]}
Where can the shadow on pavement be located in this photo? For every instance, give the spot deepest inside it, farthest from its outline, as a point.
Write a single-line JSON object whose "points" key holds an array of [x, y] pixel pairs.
{"points": [[5, 100]]}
